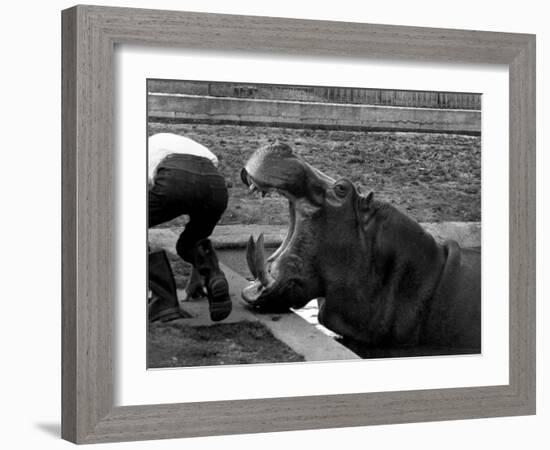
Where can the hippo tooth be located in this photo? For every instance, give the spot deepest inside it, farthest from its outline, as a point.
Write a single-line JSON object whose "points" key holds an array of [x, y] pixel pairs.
{"points": [[289, 233], [250, 255], [260, 261]]}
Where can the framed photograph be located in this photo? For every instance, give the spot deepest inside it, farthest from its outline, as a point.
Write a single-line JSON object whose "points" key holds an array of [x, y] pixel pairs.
{"points": [[278, 224]]}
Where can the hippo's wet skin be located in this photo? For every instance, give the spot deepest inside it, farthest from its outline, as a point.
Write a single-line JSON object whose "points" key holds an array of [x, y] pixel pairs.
{"points": [[379, 278]]}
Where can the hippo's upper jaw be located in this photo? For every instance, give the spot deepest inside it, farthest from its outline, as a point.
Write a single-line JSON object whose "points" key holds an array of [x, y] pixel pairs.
{"points": [[276, 168], [286, 279]]}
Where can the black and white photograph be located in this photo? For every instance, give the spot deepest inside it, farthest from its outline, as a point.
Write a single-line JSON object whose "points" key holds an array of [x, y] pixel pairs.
{"points": [[311, 223], [276, 225]]}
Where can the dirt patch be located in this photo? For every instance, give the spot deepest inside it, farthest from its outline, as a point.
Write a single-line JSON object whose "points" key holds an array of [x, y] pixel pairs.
{"points": [[432, 177], [175, 344]]}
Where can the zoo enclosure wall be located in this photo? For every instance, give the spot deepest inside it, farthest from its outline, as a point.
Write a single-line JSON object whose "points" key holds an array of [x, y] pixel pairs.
{"points": [[362, 96], [314, 107]]}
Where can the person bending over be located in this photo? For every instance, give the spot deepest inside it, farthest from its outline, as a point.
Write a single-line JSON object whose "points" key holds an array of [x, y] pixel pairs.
{"points": [[184, 179]]}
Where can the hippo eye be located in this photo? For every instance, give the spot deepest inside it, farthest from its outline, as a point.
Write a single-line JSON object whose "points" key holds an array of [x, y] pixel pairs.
{"points": [[341, 190]]}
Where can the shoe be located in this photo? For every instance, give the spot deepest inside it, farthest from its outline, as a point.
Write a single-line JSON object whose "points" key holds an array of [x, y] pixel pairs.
{"points": [[219, 301], [166, 316], [158, 312], [162, 301]]}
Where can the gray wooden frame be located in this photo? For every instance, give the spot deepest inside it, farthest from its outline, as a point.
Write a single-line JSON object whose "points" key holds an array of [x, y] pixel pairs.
{"points": [[89, 36]]}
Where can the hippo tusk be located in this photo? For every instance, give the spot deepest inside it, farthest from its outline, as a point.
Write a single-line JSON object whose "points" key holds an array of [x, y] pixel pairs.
{"points": [[250, 255], [263, 276], [290, 232]]}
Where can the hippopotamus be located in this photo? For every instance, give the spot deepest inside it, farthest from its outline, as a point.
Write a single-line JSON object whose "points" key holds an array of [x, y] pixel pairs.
{"points": [[379, 278]]}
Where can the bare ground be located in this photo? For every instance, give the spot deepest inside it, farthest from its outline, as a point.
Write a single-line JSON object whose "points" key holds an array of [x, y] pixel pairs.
{"points": [[175, 344], [432, 177]]}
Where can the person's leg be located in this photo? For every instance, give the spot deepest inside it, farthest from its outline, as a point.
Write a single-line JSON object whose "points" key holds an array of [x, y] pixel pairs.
{"points": [[168, 198], [165, 202], [217, 288], [204, 217], [194, 247], [156, 213], [162, 303]]}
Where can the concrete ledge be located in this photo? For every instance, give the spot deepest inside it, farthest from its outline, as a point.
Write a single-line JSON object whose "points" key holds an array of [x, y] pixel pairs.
{"points": [[467, 234], [239, 111], [236, 236]]}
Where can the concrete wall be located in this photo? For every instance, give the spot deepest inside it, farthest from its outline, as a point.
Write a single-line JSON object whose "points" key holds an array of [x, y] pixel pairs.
{"points": [[323, 94], [204, 109]]}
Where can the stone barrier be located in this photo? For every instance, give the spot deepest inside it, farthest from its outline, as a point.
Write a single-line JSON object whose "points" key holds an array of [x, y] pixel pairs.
{"points": [[299, 114], [467, 234]]}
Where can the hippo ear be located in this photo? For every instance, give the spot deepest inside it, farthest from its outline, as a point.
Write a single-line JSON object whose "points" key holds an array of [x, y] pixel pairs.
{"points": [[365, 202]]}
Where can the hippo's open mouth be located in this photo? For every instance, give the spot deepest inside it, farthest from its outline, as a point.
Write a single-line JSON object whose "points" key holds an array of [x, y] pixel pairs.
{"points": [[269, 288], [283, 280]]}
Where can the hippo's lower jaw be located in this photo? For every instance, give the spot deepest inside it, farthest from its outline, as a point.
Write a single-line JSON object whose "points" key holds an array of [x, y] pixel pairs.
{"points": [[267, 300], [275, 301], [269, 293]]}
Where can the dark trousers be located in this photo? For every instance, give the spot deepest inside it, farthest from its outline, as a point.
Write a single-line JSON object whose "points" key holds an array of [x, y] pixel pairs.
{"points": [[190, 185]]}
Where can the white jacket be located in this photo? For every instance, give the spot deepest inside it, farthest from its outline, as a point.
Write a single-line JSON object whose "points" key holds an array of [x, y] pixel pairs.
{"points": [[163, 144]]}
